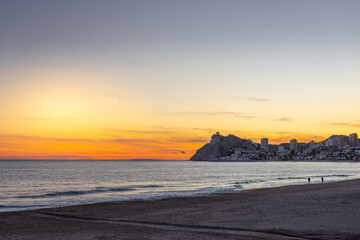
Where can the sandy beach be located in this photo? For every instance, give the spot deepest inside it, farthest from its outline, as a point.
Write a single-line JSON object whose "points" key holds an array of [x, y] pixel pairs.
{"points": [[311, 211]]}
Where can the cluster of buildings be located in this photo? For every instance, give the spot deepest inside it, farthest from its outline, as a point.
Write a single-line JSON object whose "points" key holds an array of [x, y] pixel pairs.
{"points": [[242, 155], [337, 147]]}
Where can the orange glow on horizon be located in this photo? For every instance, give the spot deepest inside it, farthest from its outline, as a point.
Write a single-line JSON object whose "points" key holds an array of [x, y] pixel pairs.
{"points": [[28, 147], [47, 115], [162, 147]]}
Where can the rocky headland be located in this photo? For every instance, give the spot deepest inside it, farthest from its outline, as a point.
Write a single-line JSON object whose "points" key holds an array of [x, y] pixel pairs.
{"points": [[233, 148], [221, 146]]}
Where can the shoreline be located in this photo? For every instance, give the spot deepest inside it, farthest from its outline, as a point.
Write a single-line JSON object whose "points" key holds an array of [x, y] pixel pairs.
{"points": [[176, 160], [192, 196], [310, 161], [228, 191], [325, 210]]}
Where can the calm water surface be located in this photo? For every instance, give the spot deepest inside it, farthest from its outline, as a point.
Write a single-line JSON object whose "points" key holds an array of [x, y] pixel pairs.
{"points": [[39, 184]]}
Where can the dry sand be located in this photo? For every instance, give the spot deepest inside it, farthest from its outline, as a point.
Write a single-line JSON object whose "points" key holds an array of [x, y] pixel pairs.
{"points": [[311, 211]]}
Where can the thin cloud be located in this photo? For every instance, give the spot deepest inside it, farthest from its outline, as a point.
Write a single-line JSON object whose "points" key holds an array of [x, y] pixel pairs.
{"points": [[258, 99], [65, 156], [158, 130], [163, 141], [345, 124], [39, 119], [181, 152], [284, 137], [285, 133], [215, 113], [189, 140], [45, 138], [253, 99], [145, 132], [175, 151], [284, 119]]}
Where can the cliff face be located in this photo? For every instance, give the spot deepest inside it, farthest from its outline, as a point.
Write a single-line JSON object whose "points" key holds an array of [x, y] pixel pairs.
{"points": [[221, 146]]}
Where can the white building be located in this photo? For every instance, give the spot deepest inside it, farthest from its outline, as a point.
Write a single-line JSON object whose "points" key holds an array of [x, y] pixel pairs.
{"points": [[237, 150], [226, 158], [281, 149], [236, 156]]}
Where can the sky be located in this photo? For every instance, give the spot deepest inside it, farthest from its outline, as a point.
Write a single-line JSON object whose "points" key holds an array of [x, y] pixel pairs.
{"points": [[134, 79]]}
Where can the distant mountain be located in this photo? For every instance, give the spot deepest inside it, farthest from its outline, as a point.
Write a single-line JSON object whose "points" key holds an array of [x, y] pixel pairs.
{"points": [[220, 146]]}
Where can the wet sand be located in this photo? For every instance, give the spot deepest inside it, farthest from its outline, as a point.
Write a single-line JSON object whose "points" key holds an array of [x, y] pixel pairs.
{"points": [[310, 211]]}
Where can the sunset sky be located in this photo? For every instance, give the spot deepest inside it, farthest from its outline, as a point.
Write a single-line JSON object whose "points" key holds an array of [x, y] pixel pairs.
{"points": [[155, 79]]}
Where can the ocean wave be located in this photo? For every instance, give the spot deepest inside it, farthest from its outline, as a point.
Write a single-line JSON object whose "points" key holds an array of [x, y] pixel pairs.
{"points": [[21, 206], [238, 186], [91, 191], [248, 182], [315, 176], [332, 175], [290, 178], [147, 186]]}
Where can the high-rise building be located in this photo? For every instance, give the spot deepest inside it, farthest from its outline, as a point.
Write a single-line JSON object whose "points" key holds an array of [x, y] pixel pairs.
{"points": [[265, 143], [293, 145], [339, 141], [353, 140]]}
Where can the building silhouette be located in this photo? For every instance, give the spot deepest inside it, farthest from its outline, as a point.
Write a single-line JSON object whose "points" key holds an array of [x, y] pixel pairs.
{"points": [[265, 143], [353, 140], [293, 145], [339, 141]]}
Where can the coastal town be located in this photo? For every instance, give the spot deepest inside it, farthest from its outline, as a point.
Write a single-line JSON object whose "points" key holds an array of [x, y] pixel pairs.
{"points": [[232, 148]]}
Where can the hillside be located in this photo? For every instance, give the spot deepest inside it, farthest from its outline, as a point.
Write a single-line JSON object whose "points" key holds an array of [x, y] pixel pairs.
{"points": [[221, 146]]}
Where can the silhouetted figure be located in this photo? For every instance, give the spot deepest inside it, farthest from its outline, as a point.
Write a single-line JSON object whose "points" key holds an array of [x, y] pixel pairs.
{"points": [[322, 179], [308, 180]]}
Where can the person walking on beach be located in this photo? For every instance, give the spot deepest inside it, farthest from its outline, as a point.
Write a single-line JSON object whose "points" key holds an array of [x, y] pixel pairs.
{"points": [[309, 180], [322, 179]]}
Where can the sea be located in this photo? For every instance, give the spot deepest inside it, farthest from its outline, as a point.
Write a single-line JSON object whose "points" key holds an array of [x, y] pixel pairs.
{"points": [[30, 184]]}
